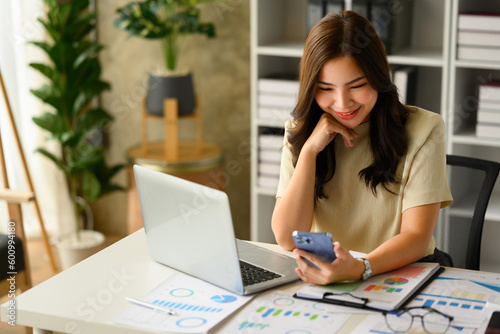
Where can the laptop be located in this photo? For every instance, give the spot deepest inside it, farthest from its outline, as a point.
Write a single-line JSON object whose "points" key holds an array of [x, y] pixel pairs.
{"points": [[189, 228]]}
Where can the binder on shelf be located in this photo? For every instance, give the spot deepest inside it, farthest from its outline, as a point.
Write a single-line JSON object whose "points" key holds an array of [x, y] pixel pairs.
{"points": [[361, 7], [334, 6], [394, 28], [405, 79], [317, 9], [315, 12], [384, 292]]}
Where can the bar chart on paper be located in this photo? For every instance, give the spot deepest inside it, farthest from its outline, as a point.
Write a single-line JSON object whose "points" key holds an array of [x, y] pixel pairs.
{"points": [[186, 306], [278, 312], [198, 308], [463, 299]]}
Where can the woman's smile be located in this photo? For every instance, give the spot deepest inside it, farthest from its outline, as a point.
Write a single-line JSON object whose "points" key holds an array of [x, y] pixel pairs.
{"points": [[349, 114]]}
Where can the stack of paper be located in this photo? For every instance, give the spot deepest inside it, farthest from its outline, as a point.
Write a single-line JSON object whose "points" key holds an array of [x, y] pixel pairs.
{"points": [[269, 160], [478, 36], [276, 98], [405, 80], [488, 113]]}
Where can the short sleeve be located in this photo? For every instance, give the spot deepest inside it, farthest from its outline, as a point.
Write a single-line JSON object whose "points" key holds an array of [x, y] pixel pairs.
{"points": [[427, 180], [286, 165]]}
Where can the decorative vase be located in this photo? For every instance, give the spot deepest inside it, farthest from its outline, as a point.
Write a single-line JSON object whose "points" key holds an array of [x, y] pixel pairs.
{"points": [[161, 87], [73, 249]]}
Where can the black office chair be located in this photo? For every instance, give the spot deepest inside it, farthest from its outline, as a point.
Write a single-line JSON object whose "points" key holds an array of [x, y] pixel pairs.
{"points": [[459, 228]]}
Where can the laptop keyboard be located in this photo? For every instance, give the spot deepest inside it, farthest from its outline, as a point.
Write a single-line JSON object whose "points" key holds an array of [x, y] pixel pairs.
{"points": [[253, 275]]}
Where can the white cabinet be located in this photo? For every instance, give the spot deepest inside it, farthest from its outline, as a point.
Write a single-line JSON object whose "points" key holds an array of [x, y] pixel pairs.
{"points": [[444, 85], [465, 78], [278, 33]]}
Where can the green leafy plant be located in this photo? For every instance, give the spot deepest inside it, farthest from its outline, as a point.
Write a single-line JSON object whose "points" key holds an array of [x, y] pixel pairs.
{"points": [[74, 81], [166, 20]]}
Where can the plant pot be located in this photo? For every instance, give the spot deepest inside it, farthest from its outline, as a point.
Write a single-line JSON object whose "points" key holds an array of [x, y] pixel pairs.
{"points": [[73, 250], [161, 87]]}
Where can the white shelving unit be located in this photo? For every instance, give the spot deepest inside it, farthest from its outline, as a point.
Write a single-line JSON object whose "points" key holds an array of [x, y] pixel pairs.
{"points": [[444, 85], [278, 33], [465, 78]]}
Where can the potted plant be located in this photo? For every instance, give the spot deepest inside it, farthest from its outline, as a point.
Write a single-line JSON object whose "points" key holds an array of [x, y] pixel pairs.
{"points": [[74, 81], [166, 20]]}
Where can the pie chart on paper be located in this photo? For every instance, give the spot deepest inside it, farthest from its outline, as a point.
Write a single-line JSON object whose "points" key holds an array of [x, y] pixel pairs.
{"points": [[223, 299], [396, 281]]}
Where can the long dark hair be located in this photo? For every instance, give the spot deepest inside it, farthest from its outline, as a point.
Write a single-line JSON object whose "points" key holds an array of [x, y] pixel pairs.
{"points": [[349, 34]]}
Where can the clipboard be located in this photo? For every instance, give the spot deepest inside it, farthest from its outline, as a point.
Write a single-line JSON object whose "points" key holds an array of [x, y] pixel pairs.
{"points": [[351, 299]]}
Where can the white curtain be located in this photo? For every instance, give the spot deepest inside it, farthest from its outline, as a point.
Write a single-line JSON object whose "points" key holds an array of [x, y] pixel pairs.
{"points": [[18, 25]]}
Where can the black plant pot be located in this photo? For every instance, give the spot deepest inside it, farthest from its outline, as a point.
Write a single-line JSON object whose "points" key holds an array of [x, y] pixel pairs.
{"points": [[162, 87]]}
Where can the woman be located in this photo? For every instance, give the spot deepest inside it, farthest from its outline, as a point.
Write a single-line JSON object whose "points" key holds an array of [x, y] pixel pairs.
{"points": [[356, 162]]}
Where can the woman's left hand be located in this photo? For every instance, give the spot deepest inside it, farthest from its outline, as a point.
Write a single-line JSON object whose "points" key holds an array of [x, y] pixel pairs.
{"points": [[344, 267]]}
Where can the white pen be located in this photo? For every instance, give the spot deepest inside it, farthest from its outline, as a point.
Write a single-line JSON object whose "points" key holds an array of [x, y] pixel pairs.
{"points": [[151, 306]]}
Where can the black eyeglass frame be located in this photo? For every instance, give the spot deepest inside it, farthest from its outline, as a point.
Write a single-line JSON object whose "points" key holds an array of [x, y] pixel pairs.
{"points": [[413, 316]]}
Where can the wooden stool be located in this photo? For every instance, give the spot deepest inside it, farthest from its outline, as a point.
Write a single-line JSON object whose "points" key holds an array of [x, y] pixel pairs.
{"points": [[196, 161], [171, 119]]}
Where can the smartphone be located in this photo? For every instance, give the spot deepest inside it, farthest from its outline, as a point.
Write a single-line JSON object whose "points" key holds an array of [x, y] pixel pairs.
{"points": [[494, 324], [318, 243]]}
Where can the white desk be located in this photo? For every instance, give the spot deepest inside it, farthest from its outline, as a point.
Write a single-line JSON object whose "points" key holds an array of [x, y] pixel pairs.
{"points": [[84, 298]]}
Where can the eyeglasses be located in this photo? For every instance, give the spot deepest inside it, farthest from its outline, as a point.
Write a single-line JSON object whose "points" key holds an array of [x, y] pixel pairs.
{"points": [[433, 321]]}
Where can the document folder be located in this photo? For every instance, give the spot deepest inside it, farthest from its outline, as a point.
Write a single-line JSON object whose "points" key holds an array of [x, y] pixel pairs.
{"points": [[384, 292]]}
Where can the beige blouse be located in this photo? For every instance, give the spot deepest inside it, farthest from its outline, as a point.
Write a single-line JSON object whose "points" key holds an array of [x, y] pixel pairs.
{"points": [[357, 218]]}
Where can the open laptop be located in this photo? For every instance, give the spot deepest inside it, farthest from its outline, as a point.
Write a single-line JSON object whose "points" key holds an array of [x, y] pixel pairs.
{"points": [[189, 228]]}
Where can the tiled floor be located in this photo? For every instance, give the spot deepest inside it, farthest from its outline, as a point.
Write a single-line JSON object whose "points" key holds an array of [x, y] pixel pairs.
{"points": [[40, 271]]}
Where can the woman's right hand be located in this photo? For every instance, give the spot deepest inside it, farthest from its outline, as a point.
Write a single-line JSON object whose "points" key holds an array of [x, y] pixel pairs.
{"points": [[324, 132]]}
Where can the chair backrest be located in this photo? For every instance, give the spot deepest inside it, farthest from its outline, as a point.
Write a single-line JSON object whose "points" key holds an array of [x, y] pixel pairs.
{"points": [[460, 226]]}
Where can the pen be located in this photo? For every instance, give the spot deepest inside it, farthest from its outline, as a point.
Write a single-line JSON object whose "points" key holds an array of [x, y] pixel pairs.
{"points": [[151, 306]]}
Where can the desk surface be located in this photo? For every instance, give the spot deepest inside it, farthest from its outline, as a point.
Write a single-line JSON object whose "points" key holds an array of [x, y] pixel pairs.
{"points": [[83, 298]]}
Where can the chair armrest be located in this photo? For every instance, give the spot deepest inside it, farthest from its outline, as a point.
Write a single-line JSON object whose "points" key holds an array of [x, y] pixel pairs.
{"points": [[15, 196]]}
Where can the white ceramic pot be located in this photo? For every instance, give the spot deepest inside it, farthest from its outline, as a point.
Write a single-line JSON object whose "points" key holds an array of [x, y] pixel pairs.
{"points": [[73, 250]]}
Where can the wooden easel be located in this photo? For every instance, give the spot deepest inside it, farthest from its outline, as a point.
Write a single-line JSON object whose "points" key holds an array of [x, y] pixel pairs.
{"points": [[25, 169], [171, 118]]}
